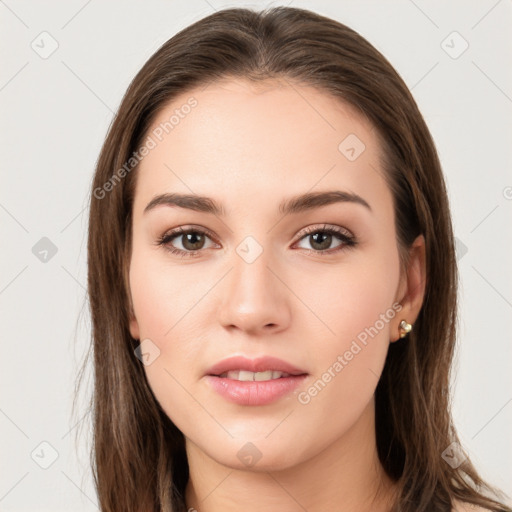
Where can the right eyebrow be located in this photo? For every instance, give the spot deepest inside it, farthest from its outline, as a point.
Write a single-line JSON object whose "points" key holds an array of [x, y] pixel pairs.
{"points": [[189, 201]]}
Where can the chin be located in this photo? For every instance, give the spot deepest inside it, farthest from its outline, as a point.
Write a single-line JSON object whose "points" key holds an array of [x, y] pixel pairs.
{"points": [[267, 463], [257, 453]]}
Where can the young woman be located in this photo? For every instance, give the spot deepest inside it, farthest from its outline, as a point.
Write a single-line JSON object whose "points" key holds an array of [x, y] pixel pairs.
{"points": [[272, 281]]}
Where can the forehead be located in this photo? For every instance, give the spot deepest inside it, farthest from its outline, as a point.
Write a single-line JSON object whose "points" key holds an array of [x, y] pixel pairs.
{"points": [[275, 138]]}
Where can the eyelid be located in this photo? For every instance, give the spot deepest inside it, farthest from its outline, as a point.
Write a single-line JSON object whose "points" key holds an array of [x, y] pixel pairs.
{"points": [[324, 227], [187, 228]]}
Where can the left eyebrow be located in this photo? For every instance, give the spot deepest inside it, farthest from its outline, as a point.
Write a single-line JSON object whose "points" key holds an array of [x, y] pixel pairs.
{"points": [[295, 204], [313, 200]]}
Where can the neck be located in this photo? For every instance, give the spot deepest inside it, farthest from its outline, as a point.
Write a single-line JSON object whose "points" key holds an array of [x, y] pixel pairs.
{"points": [[346, 476]]}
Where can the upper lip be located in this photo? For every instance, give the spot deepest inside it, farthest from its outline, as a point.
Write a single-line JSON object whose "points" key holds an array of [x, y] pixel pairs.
{"points": [[259, 364]]}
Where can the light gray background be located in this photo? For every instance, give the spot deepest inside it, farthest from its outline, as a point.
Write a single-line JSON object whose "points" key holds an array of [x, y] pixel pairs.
{"points": [[55, 114]]}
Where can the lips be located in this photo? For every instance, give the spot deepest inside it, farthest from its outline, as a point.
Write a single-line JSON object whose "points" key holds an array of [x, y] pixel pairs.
{"points": [[261, 364], [254, 382]]}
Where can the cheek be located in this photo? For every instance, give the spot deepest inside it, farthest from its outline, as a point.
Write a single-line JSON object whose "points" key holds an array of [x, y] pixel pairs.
{"points": [[163, 301], [167, 302], [356, 303], [353, 297], [161, 294], [357, 307]]}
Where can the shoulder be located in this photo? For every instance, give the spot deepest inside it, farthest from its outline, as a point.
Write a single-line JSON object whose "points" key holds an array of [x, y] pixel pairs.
{"points": [[462, 506]]}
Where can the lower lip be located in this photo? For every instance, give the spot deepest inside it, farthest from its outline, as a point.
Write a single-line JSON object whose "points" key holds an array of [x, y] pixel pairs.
{"points": [[254, 392]]}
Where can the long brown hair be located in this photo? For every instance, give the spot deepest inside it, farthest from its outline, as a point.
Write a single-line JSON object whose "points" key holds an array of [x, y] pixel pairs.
{"points": [[139, 461]]}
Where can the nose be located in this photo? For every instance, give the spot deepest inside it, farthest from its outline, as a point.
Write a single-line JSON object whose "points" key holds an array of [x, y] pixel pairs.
{"points": [[254, 298]]}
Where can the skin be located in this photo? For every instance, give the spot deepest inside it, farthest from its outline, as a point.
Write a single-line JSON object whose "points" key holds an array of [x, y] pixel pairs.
{"points": [[249, 147]]}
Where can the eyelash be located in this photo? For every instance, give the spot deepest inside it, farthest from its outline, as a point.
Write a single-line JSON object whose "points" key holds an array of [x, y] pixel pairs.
{"points": [[349, 242]]}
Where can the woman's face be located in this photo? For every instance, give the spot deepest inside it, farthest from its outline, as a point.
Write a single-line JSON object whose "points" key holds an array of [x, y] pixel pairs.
{"points": [[262, 277]]}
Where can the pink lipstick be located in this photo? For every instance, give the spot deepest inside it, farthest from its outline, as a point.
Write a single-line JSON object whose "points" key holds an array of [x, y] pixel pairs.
{"points": [[258, 381]]}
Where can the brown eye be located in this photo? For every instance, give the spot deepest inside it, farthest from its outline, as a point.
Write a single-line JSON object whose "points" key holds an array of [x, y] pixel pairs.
{"points": [[191, 241], [321, 239]]}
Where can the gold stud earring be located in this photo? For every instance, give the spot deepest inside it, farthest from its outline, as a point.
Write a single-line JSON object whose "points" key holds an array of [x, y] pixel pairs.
{"points": [[405, 328]]}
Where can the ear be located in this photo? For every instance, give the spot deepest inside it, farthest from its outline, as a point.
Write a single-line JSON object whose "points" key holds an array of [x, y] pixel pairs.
{"points": [[134, 326], [412, 287]]}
